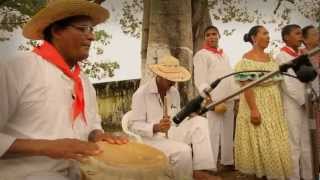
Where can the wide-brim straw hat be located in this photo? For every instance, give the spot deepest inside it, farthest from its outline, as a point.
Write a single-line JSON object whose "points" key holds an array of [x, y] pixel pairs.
{"points": [[170, 69], [60, 9]]}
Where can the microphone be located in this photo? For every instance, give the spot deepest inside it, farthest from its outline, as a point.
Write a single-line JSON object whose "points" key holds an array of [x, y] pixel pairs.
{"points": [[192, 106], [302, 67], [306, 73], [195, 104]]}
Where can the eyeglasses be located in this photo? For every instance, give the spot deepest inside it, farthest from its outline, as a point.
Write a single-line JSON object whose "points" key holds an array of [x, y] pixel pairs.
{"points": [[83, 28]]}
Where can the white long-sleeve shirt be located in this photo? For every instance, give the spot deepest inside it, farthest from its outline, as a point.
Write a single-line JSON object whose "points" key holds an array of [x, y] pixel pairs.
{"points": [[147, 108], [35, 103], [207, 68], [292, 87]]}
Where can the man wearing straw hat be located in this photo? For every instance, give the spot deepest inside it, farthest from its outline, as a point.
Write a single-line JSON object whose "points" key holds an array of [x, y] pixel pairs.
{"points": [[48, 114], [152, 106]]}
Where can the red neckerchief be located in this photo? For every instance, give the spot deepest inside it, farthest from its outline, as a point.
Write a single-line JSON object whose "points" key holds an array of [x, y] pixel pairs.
{"points": [[50, 53], [290, 51], [213, 50]]}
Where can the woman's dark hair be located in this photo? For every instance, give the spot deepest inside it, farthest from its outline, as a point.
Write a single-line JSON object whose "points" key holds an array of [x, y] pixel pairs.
{"points": [[306, 29], [286, 30], [60, 24], [210, 27], [252, 32]]}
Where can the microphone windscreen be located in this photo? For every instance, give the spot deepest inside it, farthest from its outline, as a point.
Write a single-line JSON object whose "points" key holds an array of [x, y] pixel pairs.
{"points": [[306, 73], [193, 106]]}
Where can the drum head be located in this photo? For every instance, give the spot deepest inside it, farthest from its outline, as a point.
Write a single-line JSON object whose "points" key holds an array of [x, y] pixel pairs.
{"points": [[131, 155], [132, 161]]}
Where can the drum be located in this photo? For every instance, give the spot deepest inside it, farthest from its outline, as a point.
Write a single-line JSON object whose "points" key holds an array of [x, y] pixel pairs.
{"points": [[132, 161]]}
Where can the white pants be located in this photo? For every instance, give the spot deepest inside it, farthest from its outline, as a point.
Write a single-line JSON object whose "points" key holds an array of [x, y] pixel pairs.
{"points": [[221, 127], [38, 168], [299, 138], [192, 132]]}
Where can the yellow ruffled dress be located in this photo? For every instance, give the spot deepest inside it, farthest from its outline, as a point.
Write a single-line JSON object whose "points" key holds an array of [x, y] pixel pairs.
{"points": [[262, 150]]}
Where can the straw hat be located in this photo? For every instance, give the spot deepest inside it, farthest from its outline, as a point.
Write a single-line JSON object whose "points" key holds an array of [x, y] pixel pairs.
{"points": [[60, 9], [169, 68]]}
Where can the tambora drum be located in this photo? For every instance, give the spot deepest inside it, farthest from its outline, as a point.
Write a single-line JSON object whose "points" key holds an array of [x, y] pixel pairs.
{"points": [[132, 161]]}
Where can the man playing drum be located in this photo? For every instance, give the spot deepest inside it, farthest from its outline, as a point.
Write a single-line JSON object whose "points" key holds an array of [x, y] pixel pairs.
{"points": [[152, 106], [48, 114]]}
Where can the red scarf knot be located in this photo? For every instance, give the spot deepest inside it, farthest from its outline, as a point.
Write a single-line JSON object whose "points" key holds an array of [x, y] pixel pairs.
{"points": [[212, 49], [291, 52], [50, 54]]}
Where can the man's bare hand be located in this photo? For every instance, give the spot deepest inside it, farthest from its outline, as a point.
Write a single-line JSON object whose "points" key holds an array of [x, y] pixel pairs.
{"points": [[98, 135], [69, 149], [164, 125]]}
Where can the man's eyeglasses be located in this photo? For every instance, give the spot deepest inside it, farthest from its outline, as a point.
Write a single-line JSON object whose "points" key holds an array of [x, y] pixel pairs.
{"points": [[84, 29]]}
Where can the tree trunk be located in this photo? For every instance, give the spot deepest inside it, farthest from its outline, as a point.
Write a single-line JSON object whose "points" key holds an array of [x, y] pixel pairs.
{"points": [[144, 39], [168, 28], [200, 20]]}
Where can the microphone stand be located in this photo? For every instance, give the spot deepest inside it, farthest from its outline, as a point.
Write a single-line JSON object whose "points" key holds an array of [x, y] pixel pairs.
{"points": [[282, 69]]}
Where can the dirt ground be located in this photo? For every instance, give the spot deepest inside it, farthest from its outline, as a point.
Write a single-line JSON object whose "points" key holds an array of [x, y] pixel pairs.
{"points": [[235, 175], [225, 174]]}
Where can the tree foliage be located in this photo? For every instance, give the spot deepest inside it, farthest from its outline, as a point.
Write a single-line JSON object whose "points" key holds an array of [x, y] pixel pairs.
{"points": [[131, 19], [14, 13], [232, 11]]}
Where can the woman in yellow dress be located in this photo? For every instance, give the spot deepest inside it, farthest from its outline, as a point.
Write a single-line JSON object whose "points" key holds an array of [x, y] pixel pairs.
{"points": [[261, 141]]}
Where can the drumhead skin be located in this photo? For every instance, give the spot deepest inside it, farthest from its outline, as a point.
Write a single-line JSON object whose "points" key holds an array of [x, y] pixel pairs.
{"points": [[129, 161]]}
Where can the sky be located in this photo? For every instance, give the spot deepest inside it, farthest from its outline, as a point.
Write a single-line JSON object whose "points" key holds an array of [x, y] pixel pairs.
{"points": [[126, 49]]}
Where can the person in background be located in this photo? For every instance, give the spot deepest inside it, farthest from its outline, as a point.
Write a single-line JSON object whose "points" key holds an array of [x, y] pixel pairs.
{"points": [[261, 141], [48, 110], [311, 40], [152, 106], [211, 63], [294, 106]]}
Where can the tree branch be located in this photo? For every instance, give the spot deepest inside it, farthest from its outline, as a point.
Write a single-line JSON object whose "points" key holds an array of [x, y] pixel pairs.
{"points": [[279, 4], [13, 23]]}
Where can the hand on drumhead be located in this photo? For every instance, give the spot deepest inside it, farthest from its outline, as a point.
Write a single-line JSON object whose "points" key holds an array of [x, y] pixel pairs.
{"points": [[98, 135], [69, 149], [112, 139]]}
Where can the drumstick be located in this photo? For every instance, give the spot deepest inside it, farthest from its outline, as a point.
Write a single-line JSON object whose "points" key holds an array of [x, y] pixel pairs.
{"points": [[165, 110]]}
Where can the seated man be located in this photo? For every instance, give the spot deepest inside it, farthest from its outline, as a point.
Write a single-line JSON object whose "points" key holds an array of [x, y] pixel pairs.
{"points": [[152, 105]]}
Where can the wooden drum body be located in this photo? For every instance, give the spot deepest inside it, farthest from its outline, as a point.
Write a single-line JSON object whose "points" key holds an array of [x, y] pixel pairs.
{"points": [[132, 161]]}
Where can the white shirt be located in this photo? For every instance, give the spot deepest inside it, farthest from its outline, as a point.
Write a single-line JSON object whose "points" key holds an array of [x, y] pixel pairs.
{"points": [[36, 103], [292, 87], [147, 108], [208, 67]]}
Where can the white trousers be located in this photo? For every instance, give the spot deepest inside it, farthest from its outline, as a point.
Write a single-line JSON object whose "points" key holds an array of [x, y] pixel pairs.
{"points": [[193, 133], [299, 138], [221, 127], [38, 168]]}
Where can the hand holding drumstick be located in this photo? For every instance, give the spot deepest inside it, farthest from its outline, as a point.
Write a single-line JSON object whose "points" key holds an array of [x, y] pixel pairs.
{"points": [[165, 123]]}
